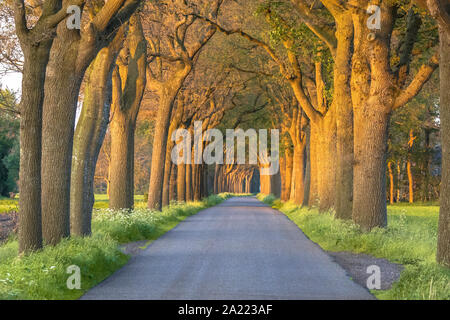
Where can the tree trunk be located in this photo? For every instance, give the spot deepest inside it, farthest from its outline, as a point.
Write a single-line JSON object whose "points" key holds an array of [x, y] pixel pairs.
{"points": [[307, 157], [62, 86], [443, 249], [298, 174], [176, 119], [391, 183], [373, 98], [173, 184], [275, 182], [289, 166], [122, 146], [265, 181], [167, 95], [167, 173], [72, 52], [181, 182], [283, 176], [30, 226], [89, 135], [410, 182], [189, 195], [196, 182], [217, 168], [36, 54], [369, 207], [344, 116], [314, 166], [398, 182], [129, 79], [326, 160]]}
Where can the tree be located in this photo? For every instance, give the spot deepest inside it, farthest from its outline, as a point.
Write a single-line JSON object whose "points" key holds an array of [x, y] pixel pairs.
{"points": [[72, 52], [339, 40], [321, 117], [183, 52], [35, 42], [378, 88], [128, 84], [89, 135], [440, 10]]}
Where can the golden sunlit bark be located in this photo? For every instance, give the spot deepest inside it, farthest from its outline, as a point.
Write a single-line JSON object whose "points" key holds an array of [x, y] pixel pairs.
{"points": [[72, 52], [391, 183], [440, 10], [376, 92], [183, 59], [410, 181]]}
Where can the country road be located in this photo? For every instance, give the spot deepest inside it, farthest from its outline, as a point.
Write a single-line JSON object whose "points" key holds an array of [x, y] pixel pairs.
{"points": [[240, 249]]}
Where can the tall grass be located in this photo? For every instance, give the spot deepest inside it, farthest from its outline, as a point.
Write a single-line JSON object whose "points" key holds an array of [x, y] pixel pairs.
{"points": [[42, 275], [409, 239]]}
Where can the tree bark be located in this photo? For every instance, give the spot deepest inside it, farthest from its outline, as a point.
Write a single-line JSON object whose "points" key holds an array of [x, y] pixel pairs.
{"points": [[167, 95], [189, 195], [410, 182], [89, 135], [344, 116], [371, 109], [30, 227], [377, 90], [181, 182], [61, 96], [391, 183], [129, 79], [288, 176], [72, 52], [173, 184], [443, 249], [167, 174], [36, 43], [398, 182], [283, 177], [298, 174], [307, 157], [326, 159]]}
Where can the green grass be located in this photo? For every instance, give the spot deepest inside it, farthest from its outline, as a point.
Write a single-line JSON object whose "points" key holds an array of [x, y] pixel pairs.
{"points": [[42, 275], [101, 201], [409, 239]]}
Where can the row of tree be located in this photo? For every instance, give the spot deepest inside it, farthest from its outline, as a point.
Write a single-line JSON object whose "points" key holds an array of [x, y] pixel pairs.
{"points": [[318, 72], [346, 79]]}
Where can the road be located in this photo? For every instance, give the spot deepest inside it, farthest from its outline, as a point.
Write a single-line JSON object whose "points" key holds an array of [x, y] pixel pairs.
{"points": [[240, 249]]}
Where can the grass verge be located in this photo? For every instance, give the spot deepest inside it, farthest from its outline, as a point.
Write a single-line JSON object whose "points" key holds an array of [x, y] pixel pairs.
{"points": [[409, 239], [42, 275]]}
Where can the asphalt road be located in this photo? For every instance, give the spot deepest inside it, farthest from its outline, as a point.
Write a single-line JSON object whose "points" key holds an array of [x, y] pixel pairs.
{"points": [[240, 249]]}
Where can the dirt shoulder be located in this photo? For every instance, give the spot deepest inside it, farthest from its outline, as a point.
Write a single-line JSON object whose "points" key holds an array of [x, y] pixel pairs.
{"points": [[356, 264], [8, 224]]}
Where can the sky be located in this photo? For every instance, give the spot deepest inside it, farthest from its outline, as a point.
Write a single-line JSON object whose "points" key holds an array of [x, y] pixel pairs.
{"points": [[12, 81]]}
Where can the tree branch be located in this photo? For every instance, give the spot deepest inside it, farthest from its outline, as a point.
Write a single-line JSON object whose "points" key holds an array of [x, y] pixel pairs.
{"points": [[440, 12], [422, 76], [260, 43], [20, 20], [313, 22]]}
